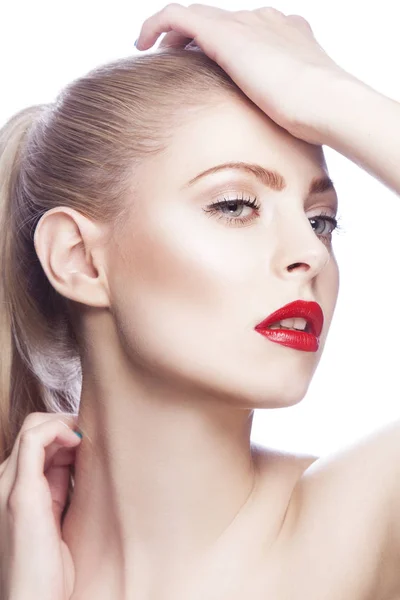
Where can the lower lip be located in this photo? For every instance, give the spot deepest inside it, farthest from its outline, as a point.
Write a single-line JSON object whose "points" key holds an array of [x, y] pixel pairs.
{"points": [[299, 340]]}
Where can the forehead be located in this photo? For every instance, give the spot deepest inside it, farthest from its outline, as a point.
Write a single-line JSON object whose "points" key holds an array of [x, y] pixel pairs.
{"points": [[235, 131]]}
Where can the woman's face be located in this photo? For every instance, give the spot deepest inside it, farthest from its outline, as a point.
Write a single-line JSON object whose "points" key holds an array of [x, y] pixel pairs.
{"points": [[189, 282]]}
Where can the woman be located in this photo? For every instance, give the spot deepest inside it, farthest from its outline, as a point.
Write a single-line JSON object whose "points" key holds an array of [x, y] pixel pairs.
{"points": [[142, 282]]}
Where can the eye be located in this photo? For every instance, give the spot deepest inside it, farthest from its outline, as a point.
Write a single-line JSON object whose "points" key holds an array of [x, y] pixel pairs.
{"points": [[323, 225], [231, 209]]}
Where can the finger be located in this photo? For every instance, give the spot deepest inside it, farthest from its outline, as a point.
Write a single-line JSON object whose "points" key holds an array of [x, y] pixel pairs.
{"points": [[58, 480], [300, 22], [8, 472], [32, 420], [29, 491], [58, 477], [63, 457], [190, 23], [36, 418], [174, 39], [37, 447], [269, 12], [58, 454]]}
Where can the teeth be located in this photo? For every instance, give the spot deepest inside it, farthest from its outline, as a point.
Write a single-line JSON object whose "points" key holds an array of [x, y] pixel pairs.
{"points": [[289, 323], [298, 324]]}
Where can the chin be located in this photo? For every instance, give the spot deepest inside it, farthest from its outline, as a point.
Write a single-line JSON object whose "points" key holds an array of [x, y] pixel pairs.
{"points": [[281, 383], [283, 396], [277, 394], [279, 388]]}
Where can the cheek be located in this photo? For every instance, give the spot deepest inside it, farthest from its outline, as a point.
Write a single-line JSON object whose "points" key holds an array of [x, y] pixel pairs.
{"points": [[185, 259], [177, 288], [327, 290], [186, 297]]}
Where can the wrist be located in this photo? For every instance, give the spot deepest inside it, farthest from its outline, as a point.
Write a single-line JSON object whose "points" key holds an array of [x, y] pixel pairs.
{"points": [[354, 104], [363, 125], [337, 97]]}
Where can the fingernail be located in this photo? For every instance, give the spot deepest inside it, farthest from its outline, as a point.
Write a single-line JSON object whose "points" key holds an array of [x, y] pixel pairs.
{"points": [[78, 434], [136, 43]]}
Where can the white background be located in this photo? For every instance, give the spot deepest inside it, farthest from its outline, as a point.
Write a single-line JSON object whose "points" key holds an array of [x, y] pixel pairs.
{"points": [[45, 44]]}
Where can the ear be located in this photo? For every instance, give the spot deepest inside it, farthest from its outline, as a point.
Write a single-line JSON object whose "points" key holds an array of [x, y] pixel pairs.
{"points": [[70, 248]]}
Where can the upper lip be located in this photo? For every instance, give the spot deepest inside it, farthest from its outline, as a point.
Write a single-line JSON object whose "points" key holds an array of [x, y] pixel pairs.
{"points": [[310, 311]]}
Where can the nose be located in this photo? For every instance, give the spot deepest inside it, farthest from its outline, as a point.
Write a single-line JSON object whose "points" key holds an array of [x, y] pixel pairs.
{"points": [[300, 253]]}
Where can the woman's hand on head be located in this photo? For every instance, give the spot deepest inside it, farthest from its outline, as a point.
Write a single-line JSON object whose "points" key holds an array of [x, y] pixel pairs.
{"points": [[275, 59], [34, 560]]}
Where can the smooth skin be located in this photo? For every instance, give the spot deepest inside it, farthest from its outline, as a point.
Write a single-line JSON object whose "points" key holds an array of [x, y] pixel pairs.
{"points": [[341, 526], [172, 501]]}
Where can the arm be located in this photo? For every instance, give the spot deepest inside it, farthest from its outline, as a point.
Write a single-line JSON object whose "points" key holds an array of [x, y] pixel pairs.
{"points": [[364, 126], [254, 46]]}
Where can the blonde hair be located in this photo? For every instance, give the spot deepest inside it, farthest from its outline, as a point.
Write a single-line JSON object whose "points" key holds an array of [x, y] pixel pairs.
{"points": [[81, 152]]}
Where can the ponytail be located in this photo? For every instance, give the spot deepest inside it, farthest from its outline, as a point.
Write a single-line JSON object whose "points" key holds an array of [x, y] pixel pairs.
{"points": [[21, 390], [12, 137]]}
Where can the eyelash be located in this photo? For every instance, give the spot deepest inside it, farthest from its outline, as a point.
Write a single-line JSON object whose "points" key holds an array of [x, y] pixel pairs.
{"points": [[214, 208]]}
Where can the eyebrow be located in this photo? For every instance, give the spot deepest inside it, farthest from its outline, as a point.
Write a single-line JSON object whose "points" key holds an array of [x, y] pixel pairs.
{"points": [[270, 178]]}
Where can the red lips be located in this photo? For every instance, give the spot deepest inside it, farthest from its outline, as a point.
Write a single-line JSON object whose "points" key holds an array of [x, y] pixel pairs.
{"points": [[307, 341]]}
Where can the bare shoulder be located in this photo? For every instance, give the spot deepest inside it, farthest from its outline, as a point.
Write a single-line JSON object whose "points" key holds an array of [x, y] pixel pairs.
{"points": [[343, 515]]}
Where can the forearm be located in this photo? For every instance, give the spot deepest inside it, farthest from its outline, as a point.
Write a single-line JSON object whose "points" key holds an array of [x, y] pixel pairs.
{"points": [[364, 126]]}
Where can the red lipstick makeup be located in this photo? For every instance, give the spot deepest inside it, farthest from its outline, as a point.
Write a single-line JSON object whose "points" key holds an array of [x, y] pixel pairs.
{"points": [[297, 325]]}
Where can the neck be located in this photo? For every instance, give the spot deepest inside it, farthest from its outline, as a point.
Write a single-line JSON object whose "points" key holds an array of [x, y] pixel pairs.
{"points": [[160, 476]]}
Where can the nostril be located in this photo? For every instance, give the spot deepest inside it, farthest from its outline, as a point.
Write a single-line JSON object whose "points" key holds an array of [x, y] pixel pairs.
{"points": [[297, 265]]}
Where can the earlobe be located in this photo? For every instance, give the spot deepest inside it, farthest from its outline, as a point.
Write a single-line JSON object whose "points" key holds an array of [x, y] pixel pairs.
{"points": [[65, 241]]}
